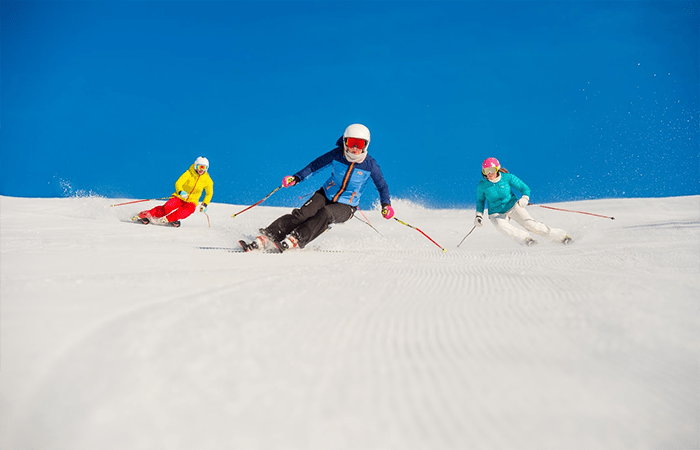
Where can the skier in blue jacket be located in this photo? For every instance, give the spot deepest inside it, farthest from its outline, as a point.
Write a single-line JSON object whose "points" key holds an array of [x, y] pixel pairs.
{"points": [[503, 205], [336, 201]]}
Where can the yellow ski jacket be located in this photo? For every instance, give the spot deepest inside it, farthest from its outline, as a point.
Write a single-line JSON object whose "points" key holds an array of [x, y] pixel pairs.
{"points": [[194, 183]]}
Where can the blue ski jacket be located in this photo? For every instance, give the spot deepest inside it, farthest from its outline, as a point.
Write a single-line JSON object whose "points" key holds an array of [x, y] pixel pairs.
{"points": [[348, 180], [499, 195]]}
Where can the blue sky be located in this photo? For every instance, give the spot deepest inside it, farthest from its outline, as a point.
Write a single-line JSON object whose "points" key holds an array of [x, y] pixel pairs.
{"points": [[580, 99]]}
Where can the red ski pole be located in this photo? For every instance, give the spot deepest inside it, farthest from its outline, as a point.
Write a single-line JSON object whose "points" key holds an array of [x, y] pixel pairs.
{"points": [[421, 232], [139, 201], [256, 204], [569, 210]]}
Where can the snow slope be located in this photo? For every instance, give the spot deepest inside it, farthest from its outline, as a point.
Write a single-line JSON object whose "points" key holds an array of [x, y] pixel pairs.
{"points": [[122, 336]]}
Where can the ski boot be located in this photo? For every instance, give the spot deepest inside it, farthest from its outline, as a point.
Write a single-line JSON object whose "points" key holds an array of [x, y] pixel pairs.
{"points": [[260, 243], [144, 217], [248, 247], [289, 243], [166, 222], [530, 242], [271, 243], [567, 240]]}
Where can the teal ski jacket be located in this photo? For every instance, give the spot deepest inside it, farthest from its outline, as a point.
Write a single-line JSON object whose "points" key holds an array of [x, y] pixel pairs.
{"points": [[499, 195]]}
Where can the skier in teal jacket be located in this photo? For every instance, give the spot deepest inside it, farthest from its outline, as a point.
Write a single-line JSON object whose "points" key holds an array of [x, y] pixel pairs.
{"points": [[503, 205]]}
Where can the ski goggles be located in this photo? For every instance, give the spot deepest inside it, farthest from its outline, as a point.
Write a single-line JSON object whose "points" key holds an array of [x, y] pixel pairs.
{"points": [[355, 142], [489, 170], [199, 167]]}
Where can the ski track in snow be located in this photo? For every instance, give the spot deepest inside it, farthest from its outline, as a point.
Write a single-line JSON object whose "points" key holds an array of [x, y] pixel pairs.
{"points": [[143, 337]]}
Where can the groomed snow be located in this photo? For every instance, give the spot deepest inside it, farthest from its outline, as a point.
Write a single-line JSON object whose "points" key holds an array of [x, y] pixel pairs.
{"points": [[122, 336]]}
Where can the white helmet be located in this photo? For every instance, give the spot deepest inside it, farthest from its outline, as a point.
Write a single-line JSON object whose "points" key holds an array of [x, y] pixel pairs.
{"points": [[201, 160], [357, 131]]}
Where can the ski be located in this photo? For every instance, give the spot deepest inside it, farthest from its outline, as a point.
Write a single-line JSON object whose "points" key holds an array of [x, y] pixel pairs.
{"points": [[148, 220], [174, 223], [228, 249], [241, 249]]}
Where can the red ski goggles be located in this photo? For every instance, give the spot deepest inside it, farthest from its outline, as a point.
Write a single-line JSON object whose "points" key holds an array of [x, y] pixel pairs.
{"points": [[199, 167], [489, 170], [355, 142]]}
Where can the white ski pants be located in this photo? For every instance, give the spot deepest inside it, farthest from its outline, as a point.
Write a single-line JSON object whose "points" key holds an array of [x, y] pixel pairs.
{"points": [[522, 217]]}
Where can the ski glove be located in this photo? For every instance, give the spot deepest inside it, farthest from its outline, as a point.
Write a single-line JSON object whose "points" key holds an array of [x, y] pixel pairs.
{"points": [[387, 211], [524, 200], [183, 195], [203, 208], [290, 180], [478, 220]]}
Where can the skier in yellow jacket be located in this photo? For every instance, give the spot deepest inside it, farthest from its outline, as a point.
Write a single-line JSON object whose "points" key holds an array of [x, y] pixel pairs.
{"points": [[182, 203]]}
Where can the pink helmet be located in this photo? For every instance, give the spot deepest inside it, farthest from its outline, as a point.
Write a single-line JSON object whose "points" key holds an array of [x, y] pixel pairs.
{"points": [[490, 162]]}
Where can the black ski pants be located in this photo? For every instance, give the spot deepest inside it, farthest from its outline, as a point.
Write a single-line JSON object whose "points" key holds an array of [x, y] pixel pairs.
{"points": [[313, 218]]}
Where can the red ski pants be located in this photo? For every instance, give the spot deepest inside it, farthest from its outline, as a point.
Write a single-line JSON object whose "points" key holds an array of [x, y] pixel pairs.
{"points": [[175, 209]]}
